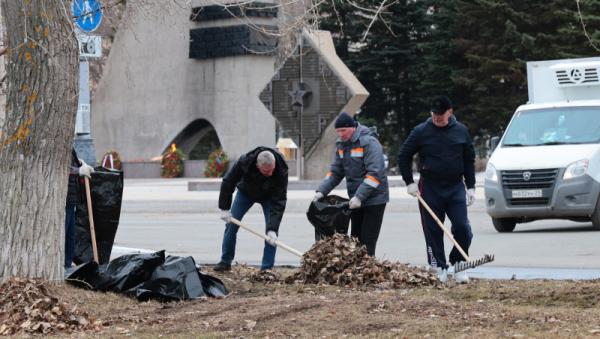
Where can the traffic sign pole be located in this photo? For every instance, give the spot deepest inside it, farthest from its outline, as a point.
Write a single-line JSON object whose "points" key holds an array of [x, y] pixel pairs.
{"points": [[88, 16]]}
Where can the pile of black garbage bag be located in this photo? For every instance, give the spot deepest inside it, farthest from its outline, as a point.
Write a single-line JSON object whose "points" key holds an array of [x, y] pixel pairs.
{"points": [[143, 276], [329, 215], [148, 276]]}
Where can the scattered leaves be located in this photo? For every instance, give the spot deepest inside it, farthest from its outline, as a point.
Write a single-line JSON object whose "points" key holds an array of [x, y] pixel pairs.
{"points": [[26, 305], [266, 277]]}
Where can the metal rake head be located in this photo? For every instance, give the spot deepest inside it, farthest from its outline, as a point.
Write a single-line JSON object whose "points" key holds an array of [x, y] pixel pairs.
{"points": [[465, 265]]}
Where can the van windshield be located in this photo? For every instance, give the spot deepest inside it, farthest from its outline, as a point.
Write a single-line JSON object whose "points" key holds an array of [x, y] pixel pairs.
{"points": [[556, 126]]}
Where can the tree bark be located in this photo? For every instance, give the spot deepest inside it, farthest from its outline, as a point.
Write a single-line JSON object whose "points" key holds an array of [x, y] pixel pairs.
{"points": [[37, 135]]}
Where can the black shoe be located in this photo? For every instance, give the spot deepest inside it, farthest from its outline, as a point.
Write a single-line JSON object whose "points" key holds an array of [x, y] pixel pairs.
{"points": [[222, 267]]}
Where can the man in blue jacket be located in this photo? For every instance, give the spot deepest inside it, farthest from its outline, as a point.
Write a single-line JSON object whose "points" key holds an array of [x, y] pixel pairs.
{"points": [[447, 183], [359, 158]]}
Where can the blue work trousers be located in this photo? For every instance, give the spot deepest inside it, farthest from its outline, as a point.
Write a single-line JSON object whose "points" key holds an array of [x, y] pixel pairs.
{"points": [[69, 234], [445, 200], [241, 205]]}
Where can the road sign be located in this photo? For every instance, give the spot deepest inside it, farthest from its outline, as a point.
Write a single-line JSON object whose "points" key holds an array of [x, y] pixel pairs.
{"points": [[90, 46], [87, 13]]}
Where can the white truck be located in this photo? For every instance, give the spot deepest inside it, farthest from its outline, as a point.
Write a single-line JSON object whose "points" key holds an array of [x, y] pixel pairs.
{"points": [[547, 163]]}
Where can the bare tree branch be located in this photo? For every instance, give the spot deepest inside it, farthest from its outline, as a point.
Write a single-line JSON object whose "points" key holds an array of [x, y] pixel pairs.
{"points": [[594, 46], [374, 19]]}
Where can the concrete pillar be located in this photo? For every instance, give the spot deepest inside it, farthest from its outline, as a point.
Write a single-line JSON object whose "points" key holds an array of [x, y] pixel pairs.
{"points": [[151, 89]]}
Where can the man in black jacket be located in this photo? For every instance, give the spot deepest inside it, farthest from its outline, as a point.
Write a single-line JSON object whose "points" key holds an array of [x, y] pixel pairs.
{"points": [[78, 168], [261, 176], [447, 183]]}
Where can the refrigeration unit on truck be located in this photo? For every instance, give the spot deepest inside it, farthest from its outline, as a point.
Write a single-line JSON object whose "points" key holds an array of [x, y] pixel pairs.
{"points": [[547, 163]]}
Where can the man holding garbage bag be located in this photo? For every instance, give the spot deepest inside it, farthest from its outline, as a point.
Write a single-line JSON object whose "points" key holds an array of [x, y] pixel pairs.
{"points": [[78, 168], [261, 176], [359, 158]]}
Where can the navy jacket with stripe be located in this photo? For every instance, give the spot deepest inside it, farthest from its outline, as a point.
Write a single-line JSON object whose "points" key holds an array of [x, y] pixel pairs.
{"points": [[360, 161]]}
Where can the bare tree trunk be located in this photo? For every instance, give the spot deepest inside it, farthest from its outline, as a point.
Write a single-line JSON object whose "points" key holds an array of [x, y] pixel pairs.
{"points": [[42, 77]]}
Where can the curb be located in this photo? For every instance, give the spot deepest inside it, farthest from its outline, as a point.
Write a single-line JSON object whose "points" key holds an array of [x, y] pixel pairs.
{"points": [[293, 206]]}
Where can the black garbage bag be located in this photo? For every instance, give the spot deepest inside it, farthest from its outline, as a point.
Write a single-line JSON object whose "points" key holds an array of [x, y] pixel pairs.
{"points": [[148, 276], [119, 275], [176, 279], [128, 271], [213, 287], [83, 276], [107, 192], [329, 215]]}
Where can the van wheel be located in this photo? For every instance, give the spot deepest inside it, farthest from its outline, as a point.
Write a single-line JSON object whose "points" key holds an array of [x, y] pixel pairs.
{"points": [[596, 215], [504, 225]]}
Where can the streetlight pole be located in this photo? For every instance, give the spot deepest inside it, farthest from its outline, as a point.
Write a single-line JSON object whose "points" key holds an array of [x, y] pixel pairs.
{"points": [[301, 141]]}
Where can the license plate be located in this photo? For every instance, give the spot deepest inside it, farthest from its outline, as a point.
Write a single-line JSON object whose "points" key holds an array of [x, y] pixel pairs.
{"points": [[527, 193]]}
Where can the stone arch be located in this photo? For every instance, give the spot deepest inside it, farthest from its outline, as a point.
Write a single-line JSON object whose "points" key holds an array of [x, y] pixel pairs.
{"points": [[196, 140]]}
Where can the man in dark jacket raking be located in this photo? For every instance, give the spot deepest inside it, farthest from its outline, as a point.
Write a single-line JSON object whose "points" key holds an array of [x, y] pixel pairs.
{"points": [[261, 176], [359, 158], [447, 183]]}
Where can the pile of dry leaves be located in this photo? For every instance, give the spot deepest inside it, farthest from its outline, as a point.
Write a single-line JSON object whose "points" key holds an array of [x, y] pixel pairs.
{"points": [[27, 305], [341, 260]]}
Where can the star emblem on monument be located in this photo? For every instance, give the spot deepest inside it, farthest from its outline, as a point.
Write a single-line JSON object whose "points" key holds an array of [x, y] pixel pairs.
{"points": [[298, 94]]}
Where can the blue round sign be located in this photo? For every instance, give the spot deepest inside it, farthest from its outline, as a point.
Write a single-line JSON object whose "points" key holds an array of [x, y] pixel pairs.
{"points": [[87, 13]]}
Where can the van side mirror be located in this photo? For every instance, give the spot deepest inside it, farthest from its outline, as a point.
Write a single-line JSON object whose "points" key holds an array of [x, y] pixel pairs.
{"points": [[494, 143]]}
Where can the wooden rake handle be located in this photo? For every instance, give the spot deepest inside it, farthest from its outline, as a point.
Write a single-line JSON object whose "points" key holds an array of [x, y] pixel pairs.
{"points": [[439, 222], [264, 236], [88, 195]]}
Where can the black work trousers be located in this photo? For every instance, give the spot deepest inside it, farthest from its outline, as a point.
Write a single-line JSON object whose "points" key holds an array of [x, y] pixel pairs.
{"points": [[366, 224], [444, 200]]}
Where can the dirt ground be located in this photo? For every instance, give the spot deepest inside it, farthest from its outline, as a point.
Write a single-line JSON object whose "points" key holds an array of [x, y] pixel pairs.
{"points": [[483, 308]]}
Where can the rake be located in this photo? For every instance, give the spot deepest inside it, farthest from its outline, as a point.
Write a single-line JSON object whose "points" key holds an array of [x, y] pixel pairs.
{"points": [[91, 219], [260, 235], [461, 265]]}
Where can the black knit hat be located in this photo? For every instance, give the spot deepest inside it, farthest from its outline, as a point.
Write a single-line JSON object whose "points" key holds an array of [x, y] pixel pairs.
{"points": [[344, 120], [441, 104]]}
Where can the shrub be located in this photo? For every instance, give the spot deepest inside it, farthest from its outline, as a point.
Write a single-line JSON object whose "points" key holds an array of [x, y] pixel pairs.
{"points": [[172, 163], [217, 164], [480, 164], [116, 160]]}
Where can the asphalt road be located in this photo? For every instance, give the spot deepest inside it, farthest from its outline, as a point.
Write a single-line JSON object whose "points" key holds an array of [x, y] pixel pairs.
{"points": [[547, 249]]}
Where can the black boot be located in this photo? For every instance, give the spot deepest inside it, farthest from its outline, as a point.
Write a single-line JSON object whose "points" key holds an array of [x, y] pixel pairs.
{"points": [[222, 267]]}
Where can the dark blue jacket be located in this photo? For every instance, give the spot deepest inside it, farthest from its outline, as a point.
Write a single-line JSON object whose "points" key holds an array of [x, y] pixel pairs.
{"points": [[73, 191], [446, 154]]}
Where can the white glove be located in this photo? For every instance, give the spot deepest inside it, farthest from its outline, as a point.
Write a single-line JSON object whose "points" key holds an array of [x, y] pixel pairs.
{"points": [[273, 236], [226, 216], [412, 189], [85, 170], [470, 196], [318, 196], [354, 203]]}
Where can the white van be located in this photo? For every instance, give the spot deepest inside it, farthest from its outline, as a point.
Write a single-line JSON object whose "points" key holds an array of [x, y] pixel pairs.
{"points": [[547, 163]]}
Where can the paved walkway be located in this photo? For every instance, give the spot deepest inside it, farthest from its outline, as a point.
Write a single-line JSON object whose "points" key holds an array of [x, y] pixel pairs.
{"points": [[167, 215], [142, 194]]}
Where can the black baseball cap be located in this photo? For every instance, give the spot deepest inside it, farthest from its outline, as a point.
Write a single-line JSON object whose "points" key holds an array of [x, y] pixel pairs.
{"points": [[441, 104]]}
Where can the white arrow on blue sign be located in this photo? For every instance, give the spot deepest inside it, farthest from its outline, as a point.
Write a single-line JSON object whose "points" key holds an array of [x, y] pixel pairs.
{"points": [[87, 13]]}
